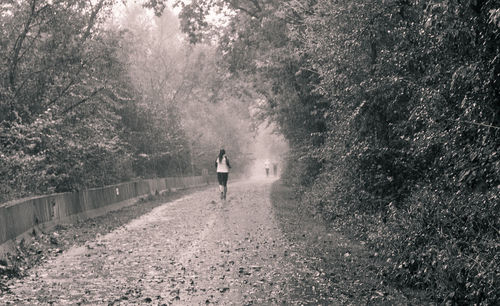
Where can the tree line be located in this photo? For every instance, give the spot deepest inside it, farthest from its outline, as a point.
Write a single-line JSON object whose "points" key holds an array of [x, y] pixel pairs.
{"points": [[391, 109], [91, 97]]}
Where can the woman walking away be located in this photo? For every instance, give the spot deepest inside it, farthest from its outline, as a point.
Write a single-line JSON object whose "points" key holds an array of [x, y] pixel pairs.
{"points": [[223, 166]]}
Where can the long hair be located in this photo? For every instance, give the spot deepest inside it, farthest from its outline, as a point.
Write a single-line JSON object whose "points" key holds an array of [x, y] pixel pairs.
{"points": [[221, 154]]}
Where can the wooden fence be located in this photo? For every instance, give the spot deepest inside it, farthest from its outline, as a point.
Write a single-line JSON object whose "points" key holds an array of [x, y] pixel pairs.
{"points": [[20, 217]]}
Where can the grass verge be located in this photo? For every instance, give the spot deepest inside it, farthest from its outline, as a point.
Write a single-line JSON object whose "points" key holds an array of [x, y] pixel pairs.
{"points": [[336, 255]]}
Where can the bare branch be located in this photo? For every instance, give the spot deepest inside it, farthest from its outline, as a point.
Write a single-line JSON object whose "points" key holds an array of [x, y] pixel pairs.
{"points": [[235, 5], [14, 60], [257, 5], [93, 94], [67, 87], [475, 123], [93, 18]]}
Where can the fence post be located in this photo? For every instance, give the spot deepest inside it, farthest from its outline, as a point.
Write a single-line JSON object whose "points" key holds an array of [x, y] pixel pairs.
{"points": [[204, 173]]}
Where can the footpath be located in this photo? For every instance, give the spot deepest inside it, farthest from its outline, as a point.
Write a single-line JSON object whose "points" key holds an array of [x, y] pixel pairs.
{"points": [[200, 250]]}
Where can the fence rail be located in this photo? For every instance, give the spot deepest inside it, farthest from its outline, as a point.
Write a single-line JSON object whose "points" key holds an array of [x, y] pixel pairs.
{"points": [[19, 217]]}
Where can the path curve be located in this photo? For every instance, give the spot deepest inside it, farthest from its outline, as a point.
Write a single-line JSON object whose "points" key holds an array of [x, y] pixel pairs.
{"points": [[197, 250]]}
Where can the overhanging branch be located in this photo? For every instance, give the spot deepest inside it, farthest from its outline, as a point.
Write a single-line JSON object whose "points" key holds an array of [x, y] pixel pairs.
{"points": [[93, 94]]}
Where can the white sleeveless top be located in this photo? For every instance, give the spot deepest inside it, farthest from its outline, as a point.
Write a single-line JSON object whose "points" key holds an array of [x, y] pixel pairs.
{"points": [[222, 166]]}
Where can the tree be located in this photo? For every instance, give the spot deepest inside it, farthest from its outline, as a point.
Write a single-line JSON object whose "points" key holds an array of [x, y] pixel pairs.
{"points": [[183, 92], [392, 109], [59, 98]]}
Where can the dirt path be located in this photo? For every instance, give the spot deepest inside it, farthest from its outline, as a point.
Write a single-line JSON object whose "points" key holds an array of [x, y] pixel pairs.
{"points": [[195, 250]]}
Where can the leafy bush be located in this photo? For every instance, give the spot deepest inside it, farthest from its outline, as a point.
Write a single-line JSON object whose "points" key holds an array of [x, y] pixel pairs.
{"points": [[450, 246], [410, 157]]}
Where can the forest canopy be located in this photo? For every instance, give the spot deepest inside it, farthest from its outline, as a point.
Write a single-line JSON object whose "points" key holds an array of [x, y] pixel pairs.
{"points": [[92, 94], [392, 112]]}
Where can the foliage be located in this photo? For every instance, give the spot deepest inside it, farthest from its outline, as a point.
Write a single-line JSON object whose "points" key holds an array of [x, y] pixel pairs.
{"points": [[451, 246], [390, 109], [387, 106], [59, 98], [42, 157], [406, 135], [193, 107], [89, 99]]}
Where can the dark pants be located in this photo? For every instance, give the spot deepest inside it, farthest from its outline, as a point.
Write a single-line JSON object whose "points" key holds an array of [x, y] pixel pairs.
{"points": [[222, 178]]}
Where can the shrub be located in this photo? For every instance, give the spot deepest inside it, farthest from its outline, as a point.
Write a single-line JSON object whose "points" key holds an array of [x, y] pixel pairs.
{"points": [[445, 242]]}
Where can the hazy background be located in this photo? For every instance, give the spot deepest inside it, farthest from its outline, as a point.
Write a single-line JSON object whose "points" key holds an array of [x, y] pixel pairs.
{"points": [[267, 145]]}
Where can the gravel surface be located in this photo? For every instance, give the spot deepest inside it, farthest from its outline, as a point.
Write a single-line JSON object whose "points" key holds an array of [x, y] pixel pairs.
{"points": [[194, 250]]}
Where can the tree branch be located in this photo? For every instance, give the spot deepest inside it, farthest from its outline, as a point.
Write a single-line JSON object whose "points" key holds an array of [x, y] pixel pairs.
{"points": [[92, 20], [18, 45], [93, 94], [67, 87], [475, 123], [257, 5], [247, 11]]}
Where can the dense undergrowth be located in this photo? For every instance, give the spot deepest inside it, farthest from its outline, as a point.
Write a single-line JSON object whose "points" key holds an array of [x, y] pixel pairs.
{"points": [[342, 259], [392, 113], [391, 110], [446, 244]]}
